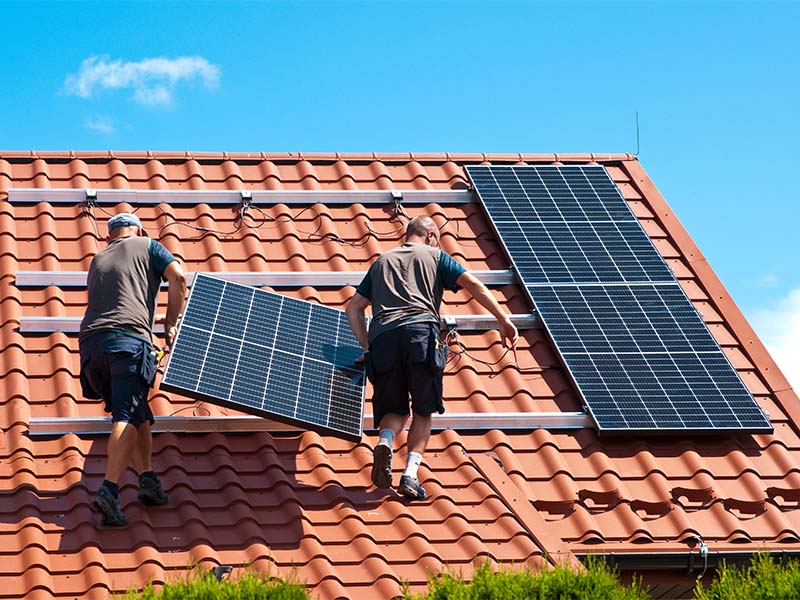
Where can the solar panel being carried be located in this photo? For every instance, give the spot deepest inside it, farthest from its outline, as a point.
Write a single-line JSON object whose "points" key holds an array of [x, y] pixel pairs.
{"points": [[269, 355], [633, 343]]}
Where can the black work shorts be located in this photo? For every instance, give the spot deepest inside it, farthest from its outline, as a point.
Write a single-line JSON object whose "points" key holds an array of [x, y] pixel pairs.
{"points": [[407, 360], [120, 369]]}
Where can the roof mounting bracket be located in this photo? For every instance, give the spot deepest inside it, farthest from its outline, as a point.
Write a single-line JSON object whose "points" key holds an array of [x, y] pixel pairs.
{"points": [[397, 199], [221, 572], [246, 199], [91, 197]]}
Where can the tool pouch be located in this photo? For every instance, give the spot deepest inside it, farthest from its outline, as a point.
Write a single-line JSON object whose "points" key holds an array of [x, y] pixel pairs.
{"points": [[437, 353], [149, 364]]}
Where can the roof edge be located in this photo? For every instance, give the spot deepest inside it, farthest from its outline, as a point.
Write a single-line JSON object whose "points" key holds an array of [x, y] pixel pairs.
{"points": [[690, 562], [750, 343], [387, 157]]}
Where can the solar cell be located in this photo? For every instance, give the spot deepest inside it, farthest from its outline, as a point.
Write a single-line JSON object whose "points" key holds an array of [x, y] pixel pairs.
{"points": [[633, 343], [269, 355]]}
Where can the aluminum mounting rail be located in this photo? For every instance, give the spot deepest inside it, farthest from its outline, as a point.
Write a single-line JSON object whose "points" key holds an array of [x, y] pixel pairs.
{"points": [[275, 279], [262, 197], [460, 322], [176, 424]]}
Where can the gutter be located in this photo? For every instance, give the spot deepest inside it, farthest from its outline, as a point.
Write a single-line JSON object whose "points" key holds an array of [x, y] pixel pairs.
{"points": [[694, 562]]}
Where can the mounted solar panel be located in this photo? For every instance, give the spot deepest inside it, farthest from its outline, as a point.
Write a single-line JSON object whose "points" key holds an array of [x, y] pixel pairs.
{"points": [[268, 355], [567, 225], [633, 343], [644, 359]]}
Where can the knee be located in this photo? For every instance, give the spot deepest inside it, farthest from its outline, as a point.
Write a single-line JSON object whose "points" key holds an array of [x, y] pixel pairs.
{"points": [[421, 419]]}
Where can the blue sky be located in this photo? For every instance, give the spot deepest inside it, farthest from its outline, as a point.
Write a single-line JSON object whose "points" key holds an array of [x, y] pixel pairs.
{"points": [[716, 86]]}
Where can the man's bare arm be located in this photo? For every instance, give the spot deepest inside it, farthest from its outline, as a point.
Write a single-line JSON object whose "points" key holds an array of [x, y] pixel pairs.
{"points": [[356, 317], [485, 298], [176, 298]]}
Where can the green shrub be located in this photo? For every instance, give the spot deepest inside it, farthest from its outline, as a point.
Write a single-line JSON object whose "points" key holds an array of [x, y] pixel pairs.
{"points": [[598, 582], [201, 585], [763, 579]]}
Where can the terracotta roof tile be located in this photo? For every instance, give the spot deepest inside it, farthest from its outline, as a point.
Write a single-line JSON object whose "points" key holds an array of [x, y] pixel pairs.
{"points": [[306, 501]]}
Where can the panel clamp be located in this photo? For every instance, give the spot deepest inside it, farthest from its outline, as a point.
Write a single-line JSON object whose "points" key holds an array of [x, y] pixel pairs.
{"points": [[450, 323]]}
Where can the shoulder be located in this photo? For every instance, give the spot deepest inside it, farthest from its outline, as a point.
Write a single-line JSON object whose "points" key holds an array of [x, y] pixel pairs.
{"points": [[155, 245], [160, 257]]}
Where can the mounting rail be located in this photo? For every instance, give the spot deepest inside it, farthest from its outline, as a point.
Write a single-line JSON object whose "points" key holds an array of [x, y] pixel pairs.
{"points": [[211, 197], [275, 279], [458, 421], [462, 323]]}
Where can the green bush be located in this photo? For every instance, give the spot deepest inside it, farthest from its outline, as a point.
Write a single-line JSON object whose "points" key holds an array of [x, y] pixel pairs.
{"points": [[763, 579], [598, 582], [204, 586]]}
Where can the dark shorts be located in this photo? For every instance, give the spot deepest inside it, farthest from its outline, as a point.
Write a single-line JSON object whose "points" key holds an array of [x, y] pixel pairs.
{"points": [[407, 360], [120, 369]]}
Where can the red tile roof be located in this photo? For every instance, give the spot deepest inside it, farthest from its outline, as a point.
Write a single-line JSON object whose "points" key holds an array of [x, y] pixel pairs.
{"points": [[303, 501]]}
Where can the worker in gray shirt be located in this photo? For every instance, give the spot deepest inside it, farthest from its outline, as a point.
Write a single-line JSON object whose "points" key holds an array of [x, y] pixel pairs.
{"points": [[403, 351], [118, 359]]}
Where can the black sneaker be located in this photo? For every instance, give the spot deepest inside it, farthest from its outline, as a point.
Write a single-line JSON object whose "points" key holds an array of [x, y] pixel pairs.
{"points": [[382, 465], [107, 504], [151, 492], [410, 488]]}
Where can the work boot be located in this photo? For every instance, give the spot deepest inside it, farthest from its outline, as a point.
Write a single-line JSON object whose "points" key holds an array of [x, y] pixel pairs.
{"points": [[107, 504], [151, 492], [410, 488], [382, 465]]}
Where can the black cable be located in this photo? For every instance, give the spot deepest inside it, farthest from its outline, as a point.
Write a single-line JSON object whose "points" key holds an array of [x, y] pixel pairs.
{"points": [[238, 222], [87, 208], [244, 214], [456, 356], [195, 408]]}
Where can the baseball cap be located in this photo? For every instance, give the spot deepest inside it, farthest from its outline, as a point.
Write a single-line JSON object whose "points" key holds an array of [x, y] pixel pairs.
{"points": [[123, 220]]}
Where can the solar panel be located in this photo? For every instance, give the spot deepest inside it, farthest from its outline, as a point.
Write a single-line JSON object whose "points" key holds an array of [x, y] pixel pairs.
{"points": [[269, 355], [567, 225], [549, 193], [633, 343], [644, 359], [665, 392]]}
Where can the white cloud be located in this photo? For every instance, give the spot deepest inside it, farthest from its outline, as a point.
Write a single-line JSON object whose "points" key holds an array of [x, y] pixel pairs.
{"points": [[769, 280], [779, 329], [100, 124], [152, 80]]}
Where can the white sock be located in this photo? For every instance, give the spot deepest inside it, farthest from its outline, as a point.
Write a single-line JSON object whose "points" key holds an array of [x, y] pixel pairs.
{"points": [[388, 435], [414, 460]]}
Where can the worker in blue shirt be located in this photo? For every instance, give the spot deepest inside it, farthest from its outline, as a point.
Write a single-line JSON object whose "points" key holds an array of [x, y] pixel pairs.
{"points": [[118, 359], [403, 351]]}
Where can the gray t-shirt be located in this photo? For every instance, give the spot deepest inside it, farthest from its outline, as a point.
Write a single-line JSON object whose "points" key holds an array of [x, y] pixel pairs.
{"points": [[405, 285], [123, 283]]}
